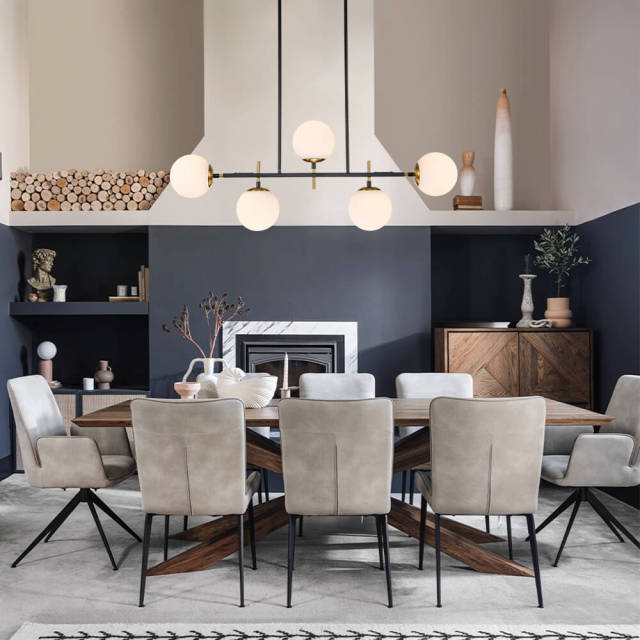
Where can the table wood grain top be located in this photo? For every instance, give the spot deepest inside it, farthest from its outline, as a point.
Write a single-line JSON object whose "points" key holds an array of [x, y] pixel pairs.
{"points": [[406, 413]]}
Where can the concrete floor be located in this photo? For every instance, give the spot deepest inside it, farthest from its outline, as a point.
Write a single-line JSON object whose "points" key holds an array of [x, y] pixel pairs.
{"points": [[336, 580]]}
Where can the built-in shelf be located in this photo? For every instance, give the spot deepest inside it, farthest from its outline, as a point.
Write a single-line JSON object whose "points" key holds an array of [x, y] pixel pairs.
{"points": [[78, 309]]}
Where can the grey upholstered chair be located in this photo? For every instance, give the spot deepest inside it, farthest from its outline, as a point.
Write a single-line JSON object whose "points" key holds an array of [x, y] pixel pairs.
{"points": [[609, 458], [337, 386], [192, 461], [428, 385], [337, 459], [485, 460], [52, 459]]}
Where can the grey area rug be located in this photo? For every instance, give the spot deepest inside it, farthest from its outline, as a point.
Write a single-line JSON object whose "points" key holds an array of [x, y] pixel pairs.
{"points": [[32, 631]]}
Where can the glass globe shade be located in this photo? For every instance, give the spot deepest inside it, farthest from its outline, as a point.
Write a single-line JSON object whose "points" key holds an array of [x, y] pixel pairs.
{"points": [[313, 141], [257, 209], [438, 174], [190, 176], [47, 350], [370, 208]]}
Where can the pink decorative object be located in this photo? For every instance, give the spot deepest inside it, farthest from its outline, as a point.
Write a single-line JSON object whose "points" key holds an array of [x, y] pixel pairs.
{"points": [[186, 390]]}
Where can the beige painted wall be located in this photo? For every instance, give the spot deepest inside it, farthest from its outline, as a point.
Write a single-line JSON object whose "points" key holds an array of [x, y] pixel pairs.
{"points": [[439, 67], [14, 96], [595, 105], [115, 84]]}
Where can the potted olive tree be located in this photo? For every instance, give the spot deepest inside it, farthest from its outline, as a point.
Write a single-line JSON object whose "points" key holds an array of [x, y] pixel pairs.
{"points": [[557, 253]]}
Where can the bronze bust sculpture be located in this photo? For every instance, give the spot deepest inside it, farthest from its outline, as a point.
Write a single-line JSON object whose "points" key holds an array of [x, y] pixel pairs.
{"points": [[42, 280]]}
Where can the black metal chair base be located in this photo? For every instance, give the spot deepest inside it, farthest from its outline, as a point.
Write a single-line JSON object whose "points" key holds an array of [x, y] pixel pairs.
{"points": [[148, 521], [91, 499], [383, 555], [531, 538], [580, 495]]}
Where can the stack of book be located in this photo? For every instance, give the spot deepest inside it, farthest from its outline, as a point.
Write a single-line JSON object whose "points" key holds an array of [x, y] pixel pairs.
{"points": [[143, 288], [470, 203]]}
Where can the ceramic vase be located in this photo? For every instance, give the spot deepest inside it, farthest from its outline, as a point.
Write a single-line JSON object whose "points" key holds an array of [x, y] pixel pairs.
{"points": [[103, 375], [208, 379], [59, 292], [558, 312], [503, 156], [467, 173]]}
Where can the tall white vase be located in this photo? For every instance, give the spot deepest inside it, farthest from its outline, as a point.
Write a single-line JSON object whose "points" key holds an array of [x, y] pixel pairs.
{"points": [[467, 173], [503, 156]]}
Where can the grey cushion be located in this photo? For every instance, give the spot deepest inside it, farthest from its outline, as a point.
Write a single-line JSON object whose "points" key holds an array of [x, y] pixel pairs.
{"points": [[554, 467], [118, 467], [337, 386]]}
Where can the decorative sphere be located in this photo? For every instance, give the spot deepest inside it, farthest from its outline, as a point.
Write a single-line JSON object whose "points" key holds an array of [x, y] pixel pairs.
{"points": [[47, 350], [438, 174], [370, 209], [257, 209], [190, 176], [313, 140]]}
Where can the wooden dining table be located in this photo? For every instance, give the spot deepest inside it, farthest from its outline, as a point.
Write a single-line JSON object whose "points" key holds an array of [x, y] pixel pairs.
{"points": [[218, 538]]}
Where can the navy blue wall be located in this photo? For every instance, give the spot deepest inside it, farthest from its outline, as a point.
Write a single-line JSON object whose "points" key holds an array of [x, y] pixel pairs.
{"points": [[15, 341], [381, 280], [607, 296]]}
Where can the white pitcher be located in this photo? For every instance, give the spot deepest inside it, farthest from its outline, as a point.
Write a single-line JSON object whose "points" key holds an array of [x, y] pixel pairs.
{"points": [[207, 379]]}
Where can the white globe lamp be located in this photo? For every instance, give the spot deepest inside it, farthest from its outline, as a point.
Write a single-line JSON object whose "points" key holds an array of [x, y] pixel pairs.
{"points": [[370, 208], [436, 174], [257, 209], [313, 141], [47, 350], [191, 176]]}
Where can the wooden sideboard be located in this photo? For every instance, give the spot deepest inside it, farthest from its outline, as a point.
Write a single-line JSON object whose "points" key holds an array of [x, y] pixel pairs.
{"points": [[555, 363]]}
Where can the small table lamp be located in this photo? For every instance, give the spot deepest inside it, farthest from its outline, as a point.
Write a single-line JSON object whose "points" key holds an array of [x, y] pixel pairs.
{"points": [[46, 352]]}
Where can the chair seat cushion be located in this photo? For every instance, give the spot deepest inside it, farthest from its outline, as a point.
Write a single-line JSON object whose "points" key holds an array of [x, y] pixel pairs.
{"points": [[554, 467], [425, 466], [118, 467], [423, 484], [251, 486]]}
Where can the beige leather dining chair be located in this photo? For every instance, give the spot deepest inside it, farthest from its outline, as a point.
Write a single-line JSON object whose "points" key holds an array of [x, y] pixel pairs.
{"points": [[337, 459], [609, 458], [428, 386], [52, 459], [192, 462], [486, 455]]}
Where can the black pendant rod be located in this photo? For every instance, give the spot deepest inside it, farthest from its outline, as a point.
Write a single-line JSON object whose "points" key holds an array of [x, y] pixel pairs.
{"points": [[280, 86], [319, 174], [346, 87]]}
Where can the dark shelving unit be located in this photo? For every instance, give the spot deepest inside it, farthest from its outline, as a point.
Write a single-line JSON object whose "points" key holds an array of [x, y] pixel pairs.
{"points": [[17, 309]]}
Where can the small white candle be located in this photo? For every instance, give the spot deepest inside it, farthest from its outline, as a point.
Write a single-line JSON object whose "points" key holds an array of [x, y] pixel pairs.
{"points": [[285, 373]]}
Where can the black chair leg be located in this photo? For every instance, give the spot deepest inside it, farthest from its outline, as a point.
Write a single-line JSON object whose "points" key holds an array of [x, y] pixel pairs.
{"points": [[60, 521], [509, 538], [438, 593], [241, 556], [252, 537], [387, 564], [301, 518], [185, 523], [148, 518], [102, 535], [165, 554], [260, 489], [52, 526], [531, 526], [563, 507], [380, 552], [264, 473], [487, 524], [412, 485], [576, 506], [423, 520], [604, 517], [292, 546], [595, 501], [114, 516], [404, 485]]}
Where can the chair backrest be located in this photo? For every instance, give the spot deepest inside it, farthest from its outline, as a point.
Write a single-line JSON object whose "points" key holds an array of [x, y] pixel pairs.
{"points": [[36, 414], [486, 455], [337, 386], [337, 456], [625, 407], [191, 455], [432, 385]]}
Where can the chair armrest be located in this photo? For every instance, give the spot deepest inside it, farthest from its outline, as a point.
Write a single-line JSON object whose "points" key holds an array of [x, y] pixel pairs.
{"points": [[601, 460], [111, 441], [71, 462]]}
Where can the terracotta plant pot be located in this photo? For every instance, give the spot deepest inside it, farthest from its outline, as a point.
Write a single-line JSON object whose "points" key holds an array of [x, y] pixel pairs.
{"points": [[558, 312]]}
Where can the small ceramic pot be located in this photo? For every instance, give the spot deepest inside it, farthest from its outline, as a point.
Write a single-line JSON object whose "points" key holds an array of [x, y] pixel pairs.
{"points": [[103, 375], [59, 292], [186, 390], [558, 312]]}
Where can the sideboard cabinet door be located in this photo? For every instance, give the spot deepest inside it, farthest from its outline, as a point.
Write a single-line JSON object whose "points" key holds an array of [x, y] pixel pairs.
{"points": [[556, 364], [491, 357]]}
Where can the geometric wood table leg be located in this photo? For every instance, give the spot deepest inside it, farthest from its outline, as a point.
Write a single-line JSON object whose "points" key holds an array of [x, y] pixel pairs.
{"points": [[456, 540], [219, 539]]}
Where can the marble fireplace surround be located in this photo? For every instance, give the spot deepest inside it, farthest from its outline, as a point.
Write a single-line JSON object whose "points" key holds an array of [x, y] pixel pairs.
{"points": [[347, 329]]}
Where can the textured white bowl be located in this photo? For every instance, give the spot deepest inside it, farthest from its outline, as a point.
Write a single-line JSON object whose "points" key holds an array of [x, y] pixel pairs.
{"points": [[254, 391]]}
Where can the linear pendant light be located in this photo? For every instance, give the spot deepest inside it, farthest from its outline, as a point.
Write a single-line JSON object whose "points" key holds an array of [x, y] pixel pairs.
{"points": [[313, 141]]}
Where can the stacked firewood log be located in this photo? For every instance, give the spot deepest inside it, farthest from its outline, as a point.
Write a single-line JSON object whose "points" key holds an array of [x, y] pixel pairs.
{"points": [[98, 190]]}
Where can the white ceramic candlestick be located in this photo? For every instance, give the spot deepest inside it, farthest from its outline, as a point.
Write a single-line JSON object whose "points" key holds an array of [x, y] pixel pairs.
{"points": [[503, 156], [527, 300], [285, 372]]}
